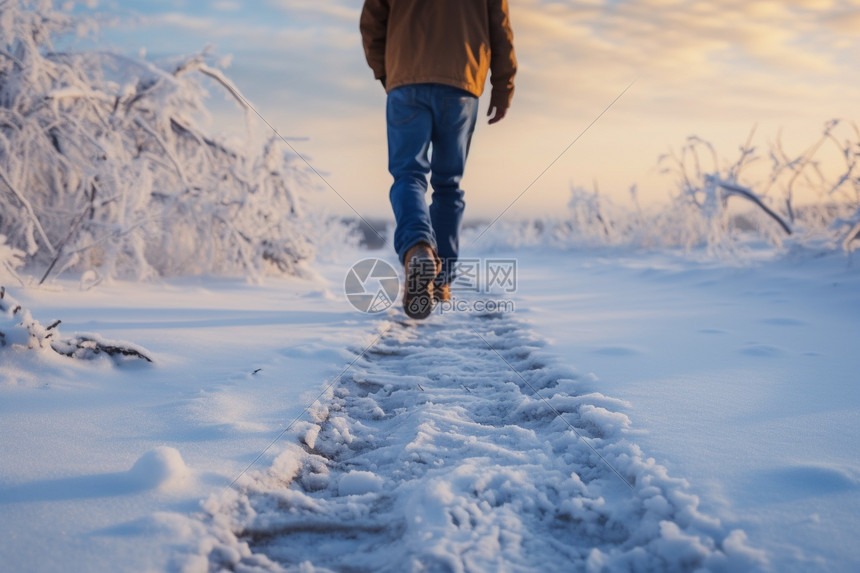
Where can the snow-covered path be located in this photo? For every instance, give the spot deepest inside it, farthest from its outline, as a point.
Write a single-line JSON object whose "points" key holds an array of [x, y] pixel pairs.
{"points": [[458, 444], [738, 380]]}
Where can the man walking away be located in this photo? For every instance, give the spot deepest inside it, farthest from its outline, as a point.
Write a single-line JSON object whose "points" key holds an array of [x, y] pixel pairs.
{"points": [[433, 58]]}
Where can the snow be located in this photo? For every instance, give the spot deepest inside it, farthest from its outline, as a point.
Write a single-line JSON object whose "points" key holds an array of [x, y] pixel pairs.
{"points": [[359, 482], [83, 462], [108, 165], [444, 455], [741, 378], [608, 408], [638, 410], [161, 468]]}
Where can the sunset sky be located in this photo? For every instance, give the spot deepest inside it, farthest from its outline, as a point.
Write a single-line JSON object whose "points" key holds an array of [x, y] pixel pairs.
{"points": [[714, 69]]}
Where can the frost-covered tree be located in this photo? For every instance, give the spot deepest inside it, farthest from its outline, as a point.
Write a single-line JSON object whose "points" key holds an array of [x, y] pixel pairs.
{"points": [[104, 165]]}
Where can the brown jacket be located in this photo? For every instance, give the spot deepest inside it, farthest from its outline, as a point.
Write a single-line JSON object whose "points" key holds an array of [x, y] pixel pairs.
{"points": [[453, 42]]}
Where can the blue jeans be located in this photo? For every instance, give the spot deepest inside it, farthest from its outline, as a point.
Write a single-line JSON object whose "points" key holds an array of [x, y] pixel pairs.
{"points": [[421, 117]]}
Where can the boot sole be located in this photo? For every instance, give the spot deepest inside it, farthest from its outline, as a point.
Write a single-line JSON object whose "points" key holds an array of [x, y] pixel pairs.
{"points": [[418, 298]]}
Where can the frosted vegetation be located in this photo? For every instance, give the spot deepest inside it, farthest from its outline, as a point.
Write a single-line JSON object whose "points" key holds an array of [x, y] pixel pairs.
{"points": [[721, 205], [106, 167], [19, 329]]}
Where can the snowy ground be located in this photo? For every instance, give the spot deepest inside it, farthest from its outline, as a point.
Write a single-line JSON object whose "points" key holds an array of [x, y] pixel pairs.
{"points": [[743, 379], [689, 414]]}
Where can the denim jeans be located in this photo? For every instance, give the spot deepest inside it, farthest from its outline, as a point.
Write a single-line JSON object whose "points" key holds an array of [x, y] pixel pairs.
{"points": [[430, 128]]}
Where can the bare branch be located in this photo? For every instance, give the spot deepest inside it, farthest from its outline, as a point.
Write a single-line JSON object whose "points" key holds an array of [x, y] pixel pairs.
{"points": [[734, 189]]}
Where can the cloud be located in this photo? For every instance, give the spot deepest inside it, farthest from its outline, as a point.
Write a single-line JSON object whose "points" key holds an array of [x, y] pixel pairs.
{"points": [[226, 6], [711, 67], [590, 48], [845, 21], [343, 12], [181, 20]]}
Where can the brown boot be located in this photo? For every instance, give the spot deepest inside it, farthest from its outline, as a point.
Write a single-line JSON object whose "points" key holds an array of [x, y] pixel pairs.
{"points": [[442, 293], [422, 266]]}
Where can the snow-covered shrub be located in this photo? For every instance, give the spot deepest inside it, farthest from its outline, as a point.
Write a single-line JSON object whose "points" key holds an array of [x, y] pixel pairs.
{"points": [[717, 205], [770, 193], [595, 217], [703, 195], [104, 165], [595, 220], [849, 229], [19, 330]]}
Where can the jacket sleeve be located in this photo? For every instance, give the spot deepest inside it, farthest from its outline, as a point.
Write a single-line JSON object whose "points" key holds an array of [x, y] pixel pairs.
{"points": [[503, 60], [374, 28]]}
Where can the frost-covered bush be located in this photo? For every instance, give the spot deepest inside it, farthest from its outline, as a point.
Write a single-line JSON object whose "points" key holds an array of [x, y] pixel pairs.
{"points": [[595, 220], [849, 228], [769, 193], [104, 165], [19, 330], [718, 205]]}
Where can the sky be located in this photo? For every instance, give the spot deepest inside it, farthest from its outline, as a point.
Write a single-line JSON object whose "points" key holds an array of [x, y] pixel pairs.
{"points": [[714, 69]]}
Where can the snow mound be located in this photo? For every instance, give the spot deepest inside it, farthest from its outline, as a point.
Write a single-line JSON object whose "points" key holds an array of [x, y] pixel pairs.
{"points": [[162, 468], [358, 483]]}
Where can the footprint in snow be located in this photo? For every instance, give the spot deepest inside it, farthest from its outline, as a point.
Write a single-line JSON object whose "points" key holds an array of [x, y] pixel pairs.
{"points": [[459, 444]]}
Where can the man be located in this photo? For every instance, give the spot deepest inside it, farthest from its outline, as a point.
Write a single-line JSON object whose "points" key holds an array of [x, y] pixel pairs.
{"points": [[433, 58]]}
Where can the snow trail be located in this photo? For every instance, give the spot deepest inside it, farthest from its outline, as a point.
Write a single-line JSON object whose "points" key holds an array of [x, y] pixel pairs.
{"points": [[433, 453]]}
